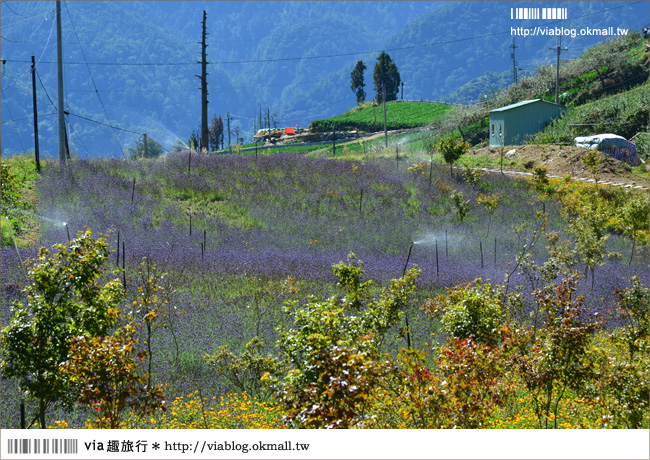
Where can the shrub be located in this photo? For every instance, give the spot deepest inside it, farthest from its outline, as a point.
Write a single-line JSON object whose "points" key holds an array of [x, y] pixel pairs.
{"points": [[461, 205], [63, 301], [333, 350], [471, 311], [245, 372], [13, 204], [105, 372], [557, 358], [467, 383], [472, 175]]}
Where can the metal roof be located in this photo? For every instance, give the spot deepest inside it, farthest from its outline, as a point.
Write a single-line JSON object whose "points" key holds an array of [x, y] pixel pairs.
{"points": [[519, 104]]}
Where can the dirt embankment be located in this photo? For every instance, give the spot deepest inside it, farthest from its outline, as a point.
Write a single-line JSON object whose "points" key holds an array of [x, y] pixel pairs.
{"points": [[561, 160]]}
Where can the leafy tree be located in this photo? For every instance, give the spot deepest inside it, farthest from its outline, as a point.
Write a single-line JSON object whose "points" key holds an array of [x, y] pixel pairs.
{"points": [[149, 307], [468, 381], [491, 203], [452, 149], [333, 349], [633, 219], [105, 371], [216, 133], [12, 201], [557, 358], [472, 311], [63, 301], [154, 149], [245, 372], [589, 231], [624, 385], [358, 83], [386, 78], [461, 205]]}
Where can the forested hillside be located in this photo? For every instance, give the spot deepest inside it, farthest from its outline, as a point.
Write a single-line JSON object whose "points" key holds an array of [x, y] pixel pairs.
{"points": [[289, 59]]}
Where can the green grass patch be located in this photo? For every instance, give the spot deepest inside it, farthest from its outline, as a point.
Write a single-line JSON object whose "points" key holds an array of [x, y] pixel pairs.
{"points": [[399, 115]]}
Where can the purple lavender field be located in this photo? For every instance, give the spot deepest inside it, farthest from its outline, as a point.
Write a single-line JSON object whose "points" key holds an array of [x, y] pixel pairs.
{"points": [[238, 236]]}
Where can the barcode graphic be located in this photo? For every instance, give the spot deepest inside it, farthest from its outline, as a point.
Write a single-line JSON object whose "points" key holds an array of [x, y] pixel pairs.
{"points": [[538, 13], [42, 446]]}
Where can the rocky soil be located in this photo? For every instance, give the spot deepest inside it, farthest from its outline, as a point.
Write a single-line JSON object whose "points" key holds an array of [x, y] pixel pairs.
{"points": [[561, 160]]}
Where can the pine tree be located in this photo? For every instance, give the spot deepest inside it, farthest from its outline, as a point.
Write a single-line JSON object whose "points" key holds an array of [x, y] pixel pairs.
{"points": [[216, 132], [357, 82], [386, 73]]}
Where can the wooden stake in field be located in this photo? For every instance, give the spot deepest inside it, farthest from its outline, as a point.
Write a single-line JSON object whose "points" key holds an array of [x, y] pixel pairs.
{"points": [[189, 164], [123, 266], [360, 201], [437, 266], [133, 191], [480, 243]]}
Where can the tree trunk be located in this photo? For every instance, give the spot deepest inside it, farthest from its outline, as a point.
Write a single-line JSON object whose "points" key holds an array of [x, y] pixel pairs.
{"points": [[41, 412]]}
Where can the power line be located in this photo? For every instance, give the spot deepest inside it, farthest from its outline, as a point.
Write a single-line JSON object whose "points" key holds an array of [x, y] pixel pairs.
{"points": [[91, 75], [15, 129], [48, 96], [30, 35], [6, 4], [329, 56], [23, 20], [103, 124], [29, 69], [80, 139], [28, 117]]}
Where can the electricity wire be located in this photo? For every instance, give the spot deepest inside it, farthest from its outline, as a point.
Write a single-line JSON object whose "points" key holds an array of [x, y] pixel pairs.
{"points": [[329, 56], [38, 61], [26, 19], [14, 125], [28, 117], [91, 77]]}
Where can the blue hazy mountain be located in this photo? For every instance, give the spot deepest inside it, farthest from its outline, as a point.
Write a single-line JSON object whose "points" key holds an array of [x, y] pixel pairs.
{"points": [[133, 65]]}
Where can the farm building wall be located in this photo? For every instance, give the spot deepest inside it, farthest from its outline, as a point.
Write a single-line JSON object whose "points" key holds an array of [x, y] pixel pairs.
{"points": [[512, 125]]}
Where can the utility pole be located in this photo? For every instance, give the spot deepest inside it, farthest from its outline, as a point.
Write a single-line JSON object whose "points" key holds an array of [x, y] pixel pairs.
{"points": [[59, 68], [146, 147], [36, 150], [229, 143], [557, 68], [205, 137], [384, 98], [514, 66]]}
